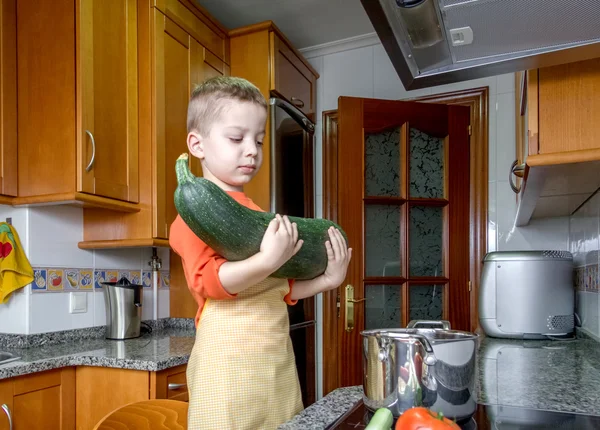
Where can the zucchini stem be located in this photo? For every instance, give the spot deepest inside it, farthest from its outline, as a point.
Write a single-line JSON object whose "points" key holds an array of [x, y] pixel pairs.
{"points": [[182, 169]]}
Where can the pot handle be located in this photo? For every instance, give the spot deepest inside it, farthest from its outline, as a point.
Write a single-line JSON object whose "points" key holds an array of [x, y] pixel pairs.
{"points": [[443, 324], [429, 358]]}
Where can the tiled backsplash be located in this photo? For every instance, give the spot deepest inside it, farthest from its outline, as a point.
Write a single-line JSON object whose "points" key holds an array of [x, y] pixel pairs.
{"points": [[50, 237], [54, 279], [584, 234]]}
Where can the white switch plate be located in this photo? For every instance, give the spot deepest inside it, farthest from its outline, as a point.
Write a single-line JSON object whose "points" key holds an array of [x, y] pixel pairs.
{"points": [[78, 303]]}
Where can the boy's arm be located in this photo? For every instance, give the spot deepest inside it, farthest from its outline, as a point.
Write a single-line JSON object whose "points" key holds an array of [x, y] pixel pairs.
{"points": [[279, 244], [338, 258]]}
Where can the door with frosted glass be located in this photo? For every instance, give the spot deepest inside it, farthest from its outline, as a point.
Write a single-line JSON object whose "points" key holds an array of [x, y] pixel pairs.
{"points": [[403, 200]]}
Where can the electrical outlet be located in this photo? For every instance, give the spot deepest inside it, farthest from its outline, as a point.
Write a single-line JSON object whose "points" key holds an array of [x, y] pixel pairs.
{"points": [[78, 303]]}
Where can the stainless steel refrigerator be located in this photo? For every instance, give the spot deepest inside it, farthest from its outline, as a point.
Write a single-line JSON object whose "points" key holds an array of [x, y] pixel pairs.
{"points": [[292, 193]]}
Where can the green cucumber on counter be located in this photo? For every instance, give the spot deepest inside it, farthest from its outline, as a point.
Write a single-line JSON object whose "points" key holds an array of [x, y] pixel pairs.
{"points": [[382, 420], [236, 232]]}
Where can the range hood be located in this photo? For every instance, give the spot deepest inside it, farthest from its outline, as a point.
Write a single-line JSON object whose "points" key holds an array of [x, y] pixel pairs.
{"points": [[434, 42]]}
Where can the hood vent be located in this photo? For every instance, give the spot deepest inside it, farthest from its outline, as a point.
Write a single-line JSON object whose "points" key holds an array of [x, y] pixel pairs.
{"points": [[433, 42]]}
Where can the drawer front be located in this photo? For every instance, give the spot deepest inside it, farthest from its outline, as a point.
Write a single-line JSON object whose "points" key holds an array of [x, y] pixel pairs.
{"points": [[177, 387]]}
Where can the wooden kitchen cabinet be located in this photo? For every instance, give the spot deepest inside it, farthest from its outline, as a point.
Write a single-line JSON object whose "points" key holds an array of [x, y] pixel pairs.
{"points": [[171, 61], [262, 54], [8, 100], [77, 98], [40, 400], [558, 138], [118, 387]]}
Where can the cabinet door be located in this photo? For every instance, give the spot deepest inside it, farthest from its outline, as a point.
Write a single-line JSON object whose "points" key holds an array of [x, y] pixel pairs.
{"points": [[291, 77], [180, 64], [44, 401], [8, 98], [6, 404], [108, 99]]}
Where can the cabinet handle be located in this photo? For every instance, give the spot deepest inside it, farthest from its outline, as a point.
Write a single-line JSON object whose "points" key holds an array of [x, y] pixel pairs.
{"points": [[174, 387], [6, 410], [89, 166], [297, 102], [517, 170]]}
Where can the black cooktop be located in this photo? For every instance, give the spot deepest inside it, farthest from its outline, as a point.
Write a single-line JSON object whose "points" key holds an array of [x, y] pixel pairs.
{"points": [[489, 417]]}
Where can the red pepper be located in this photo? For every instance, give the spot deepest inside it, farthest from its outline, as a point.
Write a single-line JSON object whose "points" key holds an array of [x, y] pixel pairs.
{"points": [[423, 419]]}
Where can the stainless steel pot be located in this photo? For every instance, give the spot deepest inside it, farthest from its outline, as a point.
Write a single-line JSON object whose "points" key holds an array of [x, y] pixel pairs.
{"points": [[430, 367]]}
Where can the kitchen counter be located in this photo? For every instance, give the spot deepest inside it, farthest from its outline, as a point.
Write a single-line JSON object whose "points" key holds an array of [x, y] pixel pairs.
{"points": [[161, 349], [561, 376]]}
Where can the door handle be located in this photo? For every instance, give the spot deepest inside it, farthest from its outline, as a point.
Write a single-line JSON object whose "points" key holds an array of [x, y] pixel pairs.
{"points": [[6, 410], [350, 301], [517, 170], [172, 386]]}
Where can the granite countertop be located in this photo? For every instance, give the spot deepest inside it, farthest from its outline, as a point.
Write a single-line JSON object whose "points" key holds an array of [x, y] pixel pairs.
{"points": [[561, 376], [161, 349]]}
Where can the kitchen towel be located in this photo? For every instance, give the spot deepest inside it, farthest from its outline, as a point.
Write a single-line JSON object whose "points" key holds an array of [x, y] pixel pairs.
{"points": [[15, 269]]}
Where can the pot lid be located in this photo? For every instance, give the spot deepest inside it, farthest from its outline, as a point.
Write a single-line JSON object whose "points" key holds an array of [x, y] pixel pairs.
{"points": [[122, 283]]}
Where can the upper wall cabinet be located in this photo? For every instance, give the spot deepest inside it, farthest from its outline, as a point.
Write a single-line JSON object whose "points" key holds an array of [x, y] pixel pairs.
{"points": [[77, 98], [8, 100], [558, 139], [263, 55], [178, 48]]}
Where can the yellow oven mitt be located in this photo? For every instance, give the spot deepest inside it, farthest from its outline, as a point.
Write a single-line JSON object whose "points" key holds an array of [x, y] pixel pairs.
{"points": [[15, 269]]}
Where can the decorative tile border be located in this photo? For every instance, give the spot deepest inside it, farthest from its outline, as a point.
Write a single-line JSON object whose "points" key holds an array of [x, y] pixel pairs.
{"points": [[586, 278], [58, 279]]}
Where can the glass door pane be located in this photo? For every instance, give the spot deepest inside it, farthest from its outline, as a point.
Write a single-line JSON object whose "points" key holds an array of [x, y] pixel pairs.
{"points": [[382, 163], [426, 165], [426, 239], [382, 240], [426, 302], [383, 307]]}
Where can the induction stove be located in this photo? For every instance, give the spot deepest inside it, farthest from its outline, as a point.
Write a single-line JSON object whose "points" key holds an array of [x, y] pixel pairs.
{"points": [[487, 417]]}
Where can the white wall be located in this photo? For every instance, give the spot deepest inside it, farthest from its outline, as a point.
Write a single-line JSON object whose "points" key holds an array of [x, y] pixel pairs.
{"points": [[49, 236], [361, 68]]}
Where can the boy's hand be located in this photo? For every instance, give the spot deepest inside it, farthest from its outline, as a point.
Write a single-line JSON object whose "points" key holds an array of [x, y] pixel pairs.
{"points": [[280, 242], [338, 259]]}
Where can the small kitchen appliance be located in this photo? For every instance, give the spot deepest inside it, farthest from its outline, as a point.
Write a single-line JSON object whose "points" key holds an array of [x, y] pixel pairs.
{"points": [[527, 294], [123, 302]]}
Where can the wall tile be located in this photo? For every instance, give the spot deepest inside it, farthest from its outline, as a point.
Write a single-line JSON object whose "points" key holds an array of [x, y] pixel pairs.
{"points": [[99, 308], [318, 174], [540, 234], [13, 314], [128, 258], [163, 303], [348, 73], [50, 312], [317, 63], [387, 84], [54, 232], [505, 83], [505, 135], [492, 239], [587, 308], [319, 342], [492, 141]]}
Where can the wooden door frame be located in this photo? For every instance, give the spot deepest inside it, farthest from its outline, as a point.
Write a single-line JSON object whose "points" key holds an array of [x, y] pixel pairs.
{"points": [[475, 98]]}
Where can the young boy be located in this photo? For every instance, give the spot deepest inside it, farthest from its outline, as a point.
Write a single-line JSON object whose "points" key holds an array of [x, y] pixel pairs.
{"points": [[241, 374]]}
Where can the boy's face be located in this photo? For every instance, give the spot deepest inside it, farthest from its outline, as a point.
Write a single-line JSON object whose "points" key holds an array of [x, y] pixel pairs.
{"points": [[231, 154]]}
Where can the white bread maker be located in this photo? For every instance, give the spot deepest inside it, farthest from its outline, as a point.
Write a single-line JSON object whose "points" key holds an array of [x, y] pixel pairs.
{"points": [[527, 294]]}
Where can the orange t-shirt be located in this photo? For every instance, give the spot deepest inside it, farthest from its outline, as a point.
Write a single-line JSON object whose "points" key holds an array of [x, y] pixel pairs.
{"points": [[201, 264]]}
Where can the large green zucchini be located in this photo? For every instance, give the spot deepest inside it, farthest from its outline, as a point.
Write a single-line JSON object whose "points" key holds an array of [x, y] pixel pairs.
{"points": [[236, 232]]}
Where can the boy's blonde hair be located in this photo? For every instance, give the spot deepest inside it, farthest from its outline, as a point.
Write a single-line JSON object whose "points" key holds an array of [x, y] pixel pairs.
{"points": [[207, 100]]}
